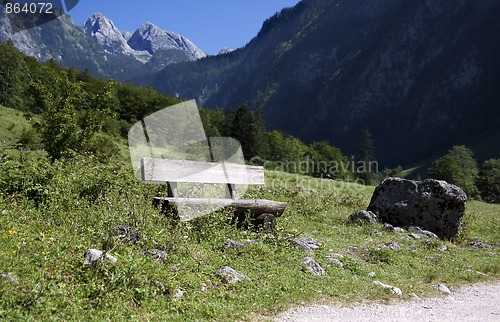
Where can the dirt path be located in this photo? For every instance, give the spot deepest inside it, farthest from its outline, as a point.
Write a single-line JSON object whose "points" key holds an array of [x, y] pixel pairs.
{"points": [[478, 302]]}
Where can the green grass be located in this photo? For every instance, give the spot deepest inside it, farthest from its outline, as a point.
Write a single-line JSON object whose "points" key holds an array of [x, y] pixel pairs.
{"points": [[50, 213], [12, 124], [83, 200]]}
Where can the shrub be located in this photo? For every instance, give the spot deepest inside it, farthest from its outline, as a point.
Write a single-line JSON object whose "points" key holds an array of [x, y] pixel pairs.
{"points": [[459, 168], [488, 181]]}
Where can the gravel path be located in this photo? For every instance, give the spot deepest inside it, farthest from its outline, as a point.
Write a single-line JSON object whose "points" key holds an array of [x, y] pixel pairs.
{"points": [[478, 302]]}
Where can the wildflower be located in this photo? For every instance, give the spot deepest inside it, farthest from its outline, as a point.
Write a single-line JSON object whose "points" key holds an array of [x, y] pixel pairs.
{"points": [[174, 269]]}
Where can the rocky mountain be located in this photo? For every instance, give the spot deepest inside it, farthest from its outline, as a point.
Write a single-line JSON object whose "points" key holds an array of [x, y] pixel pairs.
{"points": [[152, 39], [421, 76], [111, 39], [99, 46]]}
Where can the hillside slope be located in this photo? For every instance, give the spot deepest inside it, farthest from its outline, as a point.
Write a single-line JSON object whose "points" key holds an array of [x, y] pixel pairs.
{"points": [[420, 76]]}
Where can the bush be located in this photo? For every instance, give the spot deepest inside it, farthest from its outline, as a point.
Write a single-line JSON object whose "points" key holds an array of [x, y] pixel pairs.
{"points": [[459, 168], [488, 181]]}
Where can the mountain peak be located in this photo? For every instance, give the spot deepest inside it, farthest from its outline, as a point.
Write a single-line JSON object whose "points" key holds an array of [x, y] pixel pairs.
{"points": [[104, 31], [151, 38]]}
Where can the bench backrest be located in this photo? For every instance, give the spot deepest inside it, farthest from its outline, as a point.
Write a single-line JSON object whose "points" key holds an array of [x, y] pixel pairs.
{"points": [[176, 171]]}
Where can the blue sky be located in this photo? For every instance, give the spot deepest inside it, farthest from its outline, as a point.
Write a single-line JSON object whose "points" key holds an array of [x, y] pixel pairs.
{"points": [[209, 24]]}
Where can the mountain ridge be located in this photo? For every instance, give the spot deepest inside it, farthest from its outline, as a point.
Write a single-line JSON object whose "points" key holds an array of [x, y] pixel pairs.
{"points": [[419, 76], [99, 46]]}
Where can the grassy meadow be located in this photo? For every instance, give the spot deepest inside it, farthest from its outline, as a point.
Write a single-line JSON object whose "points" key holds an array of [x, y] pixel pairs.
{"points": [[69, 206]]}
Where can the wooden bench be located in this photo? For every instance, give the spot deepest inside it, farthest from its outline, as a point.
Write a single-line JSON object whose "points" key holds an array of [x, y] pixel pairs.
{"points": [[228, 174]]}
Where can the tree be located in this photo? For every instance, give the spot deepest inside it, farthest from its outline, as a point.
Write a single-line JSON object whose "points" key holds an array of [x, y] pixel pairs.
{"points": [[248, 128], [367, 149], [12, 76], [328, 161], [457, 167], [488, 181], [71, 116]]}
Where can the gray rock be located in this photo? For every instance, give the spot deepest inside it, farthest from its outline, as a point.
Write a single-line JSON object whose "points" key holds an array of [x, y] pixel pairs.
{"points": [[336, 256], [372, 274], [313, 266], [399, 230], [8, 277], [307, 244], [232, 244], [158, 255], [377, 233], [415, 236], [128, 234], [479, 244], [364, 217], [231, 276], [443, 289], [442, 248], [94, 257], [392, 289], [335, 262], [389, 227], [433, 205], [311, 242], [394, 246]]}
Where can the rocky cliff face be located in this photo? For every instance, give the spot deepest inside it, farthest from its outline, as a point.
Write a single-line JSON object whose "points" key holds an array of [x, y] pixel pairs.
{"points": [[150, 38], [419, 75], [110, 38], [100, 46]]}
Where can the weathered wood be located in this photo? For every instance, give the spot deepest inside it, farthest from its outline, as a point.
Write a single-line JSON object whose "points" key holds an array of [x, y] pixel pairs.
{"points": [[256, 207], [163, 170]]}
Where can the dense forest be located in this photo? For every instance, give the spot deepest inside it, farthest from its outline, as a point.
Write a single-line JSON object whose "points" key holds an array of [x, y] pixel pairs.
{"points": [[73, 113]]}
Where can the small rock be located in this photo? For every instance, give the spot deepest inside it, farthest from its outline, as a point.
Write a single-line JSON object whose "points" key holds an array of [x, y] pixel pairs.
{"points": [[179, 294], [415, 296], [335, 262], [415, 229], [311, 242], [399, 230], [230, 276], [443, 289], [479, 244], [389, 227], [393, 246], [336, 256], [232, 244], [203, 287], [368, 240], [8, 277], [363, 216], [313, 267], [442, 248], [415, 236], [129, 234], [267, 221], [372, 274], [250, 241], [94, 256], [477, 272], [377, 233], [392, 289], [429, 234], [307, 244], [158, 255]]}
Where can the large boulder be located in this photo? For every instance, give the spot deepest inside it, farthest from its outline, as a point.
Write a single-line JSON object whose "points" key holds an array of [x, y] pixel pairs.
{"points": [[433, 205]]}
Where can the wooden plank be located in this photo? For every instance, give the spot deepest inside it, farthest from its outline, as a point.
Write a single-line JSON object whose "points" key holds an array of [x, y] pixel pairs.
{"points": [[163, 170], [256, 207]]}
